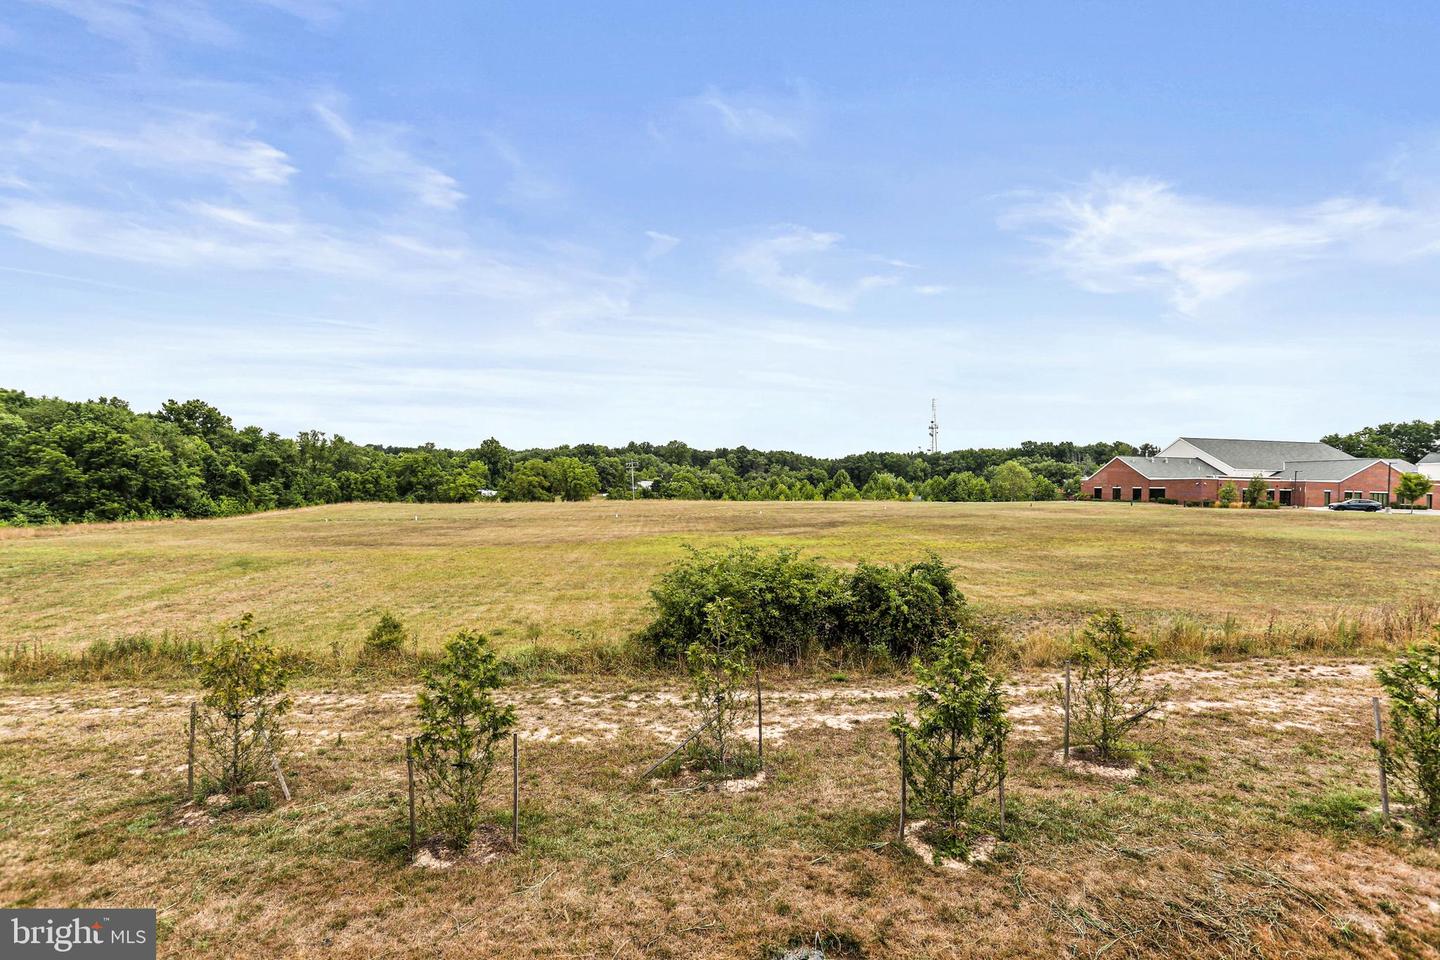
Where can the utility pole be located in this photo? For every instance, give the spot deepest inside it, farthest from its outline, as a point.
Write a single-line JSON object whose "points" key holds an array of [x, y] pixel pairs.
{"points": [[632, 465], [1389, 482], [934, 428]]}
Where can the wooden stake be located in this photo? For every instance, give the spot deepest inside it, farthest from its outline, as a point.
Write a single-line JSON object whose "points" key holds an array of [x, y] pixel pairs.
{"points": [[515, 790], [1380, 754], [1066, 749], [275, 765], [904, 737], [1002, 793], [190, 763], [410, 782], [759, 723]]}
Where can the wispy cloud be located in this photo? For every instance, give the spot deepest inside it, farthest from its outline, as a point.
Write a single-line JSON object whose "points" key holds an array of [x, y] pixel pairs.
{"points": [[375, 153], [660, 244], [194, 235], [142, 24], [769, 263], [759, 120], [526, 185], [1125, 234], [190, 144], [138, 24]]}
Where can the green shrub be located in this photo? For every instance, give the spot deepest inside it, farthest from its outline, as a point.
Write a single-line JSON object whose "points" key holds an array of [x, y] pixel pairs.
{"points": [[1412, 750], [784, 603], [721, 677], [387, 638], [901, 609], [460, 725], [244, 678], [1110, 687], [956, 744]]}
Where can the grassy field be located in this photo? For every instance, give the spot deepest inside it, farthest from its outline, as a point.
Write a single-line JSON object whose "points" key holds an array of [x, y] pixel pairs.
{"points": [[568, 574], [1251, 833]]}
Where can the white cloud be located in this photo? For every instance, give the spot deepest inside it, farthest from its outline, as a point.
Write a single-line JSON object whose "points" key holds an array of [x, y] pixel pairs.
{"points": [[375, 153], [747, 118], [314, 12], [202, 235], [660, 244], [138, 23], [1126, 234], [525, 185], [193, 144], [765, 263]]}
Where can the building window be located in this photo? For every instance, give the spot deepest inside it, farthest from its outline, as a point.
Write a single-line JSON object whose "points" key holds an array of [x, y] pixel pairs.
{"points": [[1270, 494], [1134, 493], [1284, 498], [1429, 501], [1157, 493], [1097, 493], [1114, 493], [1327, 498], [1382, 497]]}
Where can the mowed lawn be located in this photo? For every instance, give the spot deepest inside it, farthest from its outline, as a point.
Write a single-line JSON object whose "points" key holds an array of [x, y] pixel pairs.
{"points": [[567, 573]]}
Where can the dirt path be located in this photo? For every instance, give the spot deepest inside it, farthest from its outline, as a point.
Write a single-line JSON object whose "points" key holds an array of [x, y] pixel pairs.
{"points": [[1278, 694]]}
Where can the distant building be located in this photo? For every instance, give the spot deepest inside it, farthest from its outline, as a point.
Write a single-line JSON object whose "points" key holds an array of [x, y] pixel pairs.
{"points": [[1430, 466], [1297, 473]]}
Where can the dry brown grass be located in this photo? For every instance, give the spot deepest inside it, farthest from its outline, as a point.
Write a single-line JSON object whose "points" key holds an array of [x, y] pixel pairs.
{"points": [[1246, 837], [567, 575]]}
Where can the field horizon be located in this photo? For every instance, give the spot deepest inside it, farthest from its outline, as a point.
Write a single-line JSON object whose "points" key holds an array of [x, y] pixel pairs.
{"points": [[566, 575]]}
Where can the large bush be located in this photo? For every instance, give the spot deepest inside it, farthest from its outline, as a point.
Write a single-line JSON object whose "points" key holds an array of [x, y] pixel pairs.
{"points": [[789, 607], [900, 608], [783, 602]]}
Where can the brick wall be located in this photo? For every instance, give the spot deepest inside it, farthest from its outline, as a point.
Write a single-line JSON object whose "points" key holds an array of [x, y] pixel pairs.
{"points": [[1308, 493], [1127, 478]]}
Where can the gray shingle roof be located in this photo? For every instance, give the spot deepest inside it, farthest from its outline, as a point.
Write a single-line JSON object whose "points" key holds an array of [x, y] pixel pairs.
{"points": [[1333, 471], [1431, 457], [1169, 468], [1264, 454]]}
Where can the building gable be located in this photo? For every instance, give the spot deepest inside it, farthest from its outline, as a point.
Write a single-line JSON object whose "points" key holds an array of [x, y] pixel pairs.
{"points": [[1254, 458]]}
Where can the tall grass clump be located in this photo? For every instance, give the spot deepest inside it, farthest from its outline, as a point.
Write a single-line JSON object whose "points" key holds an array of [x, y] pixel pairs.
{"points": [[388, 638]]}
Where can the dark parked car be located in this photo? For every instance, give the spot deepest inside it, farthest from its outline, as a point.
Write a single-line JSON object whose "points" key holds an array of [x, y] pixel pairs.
{"points": [[1369, 506]]}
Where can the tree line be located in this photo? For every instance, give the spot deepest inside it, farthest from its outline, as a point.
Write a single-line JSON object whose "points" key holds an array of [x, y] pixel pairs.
{"points": [[1407, 441], [98, 460]]}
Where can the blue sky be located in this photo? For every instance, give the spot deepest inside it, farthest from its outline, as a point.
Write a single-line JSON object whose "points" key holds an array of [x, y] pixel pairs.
{"points": [[778, 225]]}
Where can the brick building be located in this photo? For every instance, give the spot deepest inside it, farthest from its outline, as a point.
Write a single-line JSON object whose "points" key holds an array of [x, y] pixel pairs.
{"points": [[1302, 474]]}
